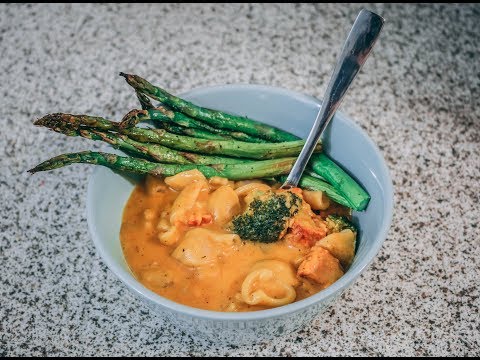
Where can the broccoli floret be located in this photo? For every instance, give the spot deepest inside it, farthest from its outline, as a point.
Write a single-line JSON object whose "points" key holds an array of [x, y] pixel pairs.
{"points": [[266, 217], [336, 223]]}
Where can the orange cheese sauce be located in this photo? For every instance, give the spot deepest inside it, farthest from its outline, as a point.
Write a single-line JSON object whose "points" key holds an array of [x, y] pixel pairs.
{"points": [[203, 265]]}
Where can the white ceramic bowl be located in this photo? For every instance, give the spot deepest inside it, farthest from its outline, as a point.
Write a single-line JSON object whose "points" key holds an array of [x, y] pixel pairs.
{"points": [[344, 141]]}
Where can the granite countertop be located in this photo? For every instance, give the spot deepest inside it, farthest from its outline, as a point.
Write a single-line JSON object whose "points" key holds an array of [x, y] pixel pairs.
{"points": [[417, 98]]}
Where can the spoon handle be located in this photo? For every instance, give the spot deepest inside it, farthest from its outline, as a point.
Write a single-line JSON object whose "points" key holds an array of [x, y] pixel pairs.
{"points": [[357, 47]]}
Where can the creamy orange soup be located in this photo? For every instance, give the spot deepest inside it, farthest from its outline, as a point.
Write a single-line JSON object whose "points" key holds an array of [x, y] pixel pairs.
{"points": [[177, 239]]}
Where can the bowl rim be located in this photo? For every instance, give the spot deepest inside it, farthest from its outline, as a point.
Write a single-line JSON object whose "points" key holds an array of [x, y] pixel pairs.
{"points": [[336, 288]]}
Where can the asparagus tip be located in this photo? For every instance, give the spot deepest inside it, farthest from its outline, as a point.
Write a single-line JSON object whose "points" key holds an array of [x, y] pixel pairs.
{"points": [[36, 169], [131, 79], [132, 118], [38, 122], [43, 120], [139, 84], [49, 118], [62, 123]]}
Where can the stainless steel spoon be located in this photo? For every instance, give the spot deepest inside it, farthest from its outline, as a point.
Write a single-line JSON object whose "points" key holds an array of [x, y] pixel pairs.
{"points": [[357, 47]]}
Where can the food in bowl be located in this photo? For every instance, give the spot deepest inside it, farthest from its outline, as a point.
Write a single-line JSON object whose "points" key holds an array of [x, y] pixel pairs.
{"points": [[231, 148], [223, 245]]}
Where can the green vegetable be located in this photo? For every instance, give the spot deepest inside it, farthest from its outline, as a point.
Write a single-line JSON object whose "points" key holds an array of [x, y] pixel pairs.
{"points": [[204, 139], [244, 171], [80, 125], [161, 114], [158, 152], [315, 184], [159, 136], [217, 119], [198, 133], [152, 151], [266, 217], [144, 102], [167, 118], [320, 163], [335, 175], [336, 223]]}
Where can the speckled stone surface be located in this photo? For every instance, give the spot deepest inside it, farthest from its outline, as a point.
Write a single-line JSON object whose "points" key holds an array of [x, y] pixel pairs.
{"points": [[417, 97]]}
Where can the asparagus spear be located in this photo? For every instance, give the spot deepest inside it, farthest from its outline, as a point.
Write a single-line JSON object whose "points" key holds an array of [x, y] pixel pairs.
{"points": [[157, 152], [198, 133], [311, 183], [164, 116], [245, 171], [64, 123], [214, 118], [221, 147], [168, 122], [320, 163], [161, 114], [190, 131], [132, 119], [163, 154]]}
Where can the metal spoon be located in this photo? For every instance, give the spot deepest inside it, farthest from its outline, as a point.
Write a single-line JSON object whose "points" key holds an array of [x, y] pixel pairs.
{"points": [[357, 47]]}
